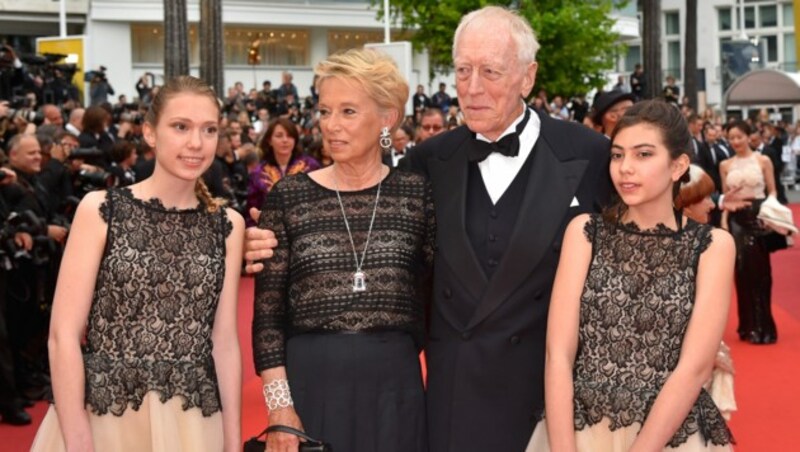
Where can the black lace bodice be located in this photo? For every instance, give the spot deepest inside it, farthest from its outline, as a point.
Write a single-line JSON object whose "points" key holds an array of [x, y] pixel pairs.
{"points": [[307, 284], [635, 307], [154, 303]]}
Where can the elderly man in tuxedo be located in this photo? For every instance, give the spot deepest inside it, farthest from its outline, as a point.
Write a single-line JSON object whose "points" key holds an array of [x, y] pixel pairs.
{"points": [[505, 185]]}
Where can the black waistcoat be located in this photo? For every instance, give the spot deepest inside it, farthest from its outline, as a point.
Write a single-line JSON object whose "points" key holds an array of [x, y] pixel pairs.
{"points": [[489, 226]]}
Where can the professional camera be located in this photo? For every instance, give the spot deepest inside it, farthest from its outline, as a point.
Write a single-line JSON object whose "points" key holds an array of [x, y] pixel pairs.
{"points": [[99, 75], [28, 222], [95, 180], [57, 77], [85, 153]]}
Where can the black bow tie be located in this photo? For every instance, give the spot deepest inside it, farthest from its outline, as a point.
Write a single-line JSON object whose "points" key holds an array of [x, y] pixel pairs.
{"points": [[508, 145]]}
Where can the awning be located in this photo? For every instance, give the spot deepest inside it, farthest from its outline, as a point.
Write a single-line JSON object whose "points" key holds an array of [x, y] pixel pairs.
{"points": [[764, 87]]}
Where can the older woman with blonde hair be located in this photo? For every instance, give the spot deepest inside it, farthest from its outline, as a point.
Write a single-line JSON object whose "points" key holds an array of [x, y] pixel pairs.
{"points": [[338, 320], [694, 198]]}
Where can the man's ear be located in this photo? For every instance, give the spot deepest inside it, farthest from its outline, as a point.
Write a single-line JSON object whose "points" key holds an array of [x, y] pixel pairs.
{"points": [[529, 79]]}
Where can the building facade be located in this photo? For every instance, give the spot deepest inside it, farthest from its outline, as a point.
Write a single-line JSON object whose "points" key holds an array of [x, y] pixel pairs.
{"points": [[127, 36], [767, 24]]}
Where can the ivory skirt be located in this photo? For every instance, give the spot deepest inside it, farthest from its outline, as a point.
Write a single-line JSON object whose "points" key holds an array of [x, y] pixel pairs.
{"points": [[599, 438], [155, 427]]}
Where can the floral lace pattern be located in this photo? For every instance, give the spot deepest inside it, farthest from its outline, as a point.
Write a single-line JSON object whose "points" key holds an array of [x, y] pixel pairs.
{"points": [[154, 304], [308, 283], [635, 308]]}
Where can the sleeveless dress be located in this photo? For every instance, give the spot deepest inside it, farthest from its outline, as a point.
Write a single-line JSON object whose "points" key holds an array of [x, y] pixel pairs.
{"points": [[635, 307], [753, 271], [151, 384]]}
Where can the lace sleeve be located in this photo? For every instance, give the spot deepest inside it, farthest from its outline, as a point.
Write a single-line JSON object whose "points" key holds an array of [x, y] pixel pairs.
{"points": [[429, 247], [270, 311], [227, 225], [704, 238], [107, 207], [590, 228]]}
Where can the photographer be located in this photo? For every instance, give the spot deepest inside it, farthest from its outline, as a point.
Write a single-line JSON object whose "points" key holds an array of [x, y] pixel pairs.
{"points": [[57, 175], [12, 74], [99, 88], [32, 281], [11, 404], [144, 87]]}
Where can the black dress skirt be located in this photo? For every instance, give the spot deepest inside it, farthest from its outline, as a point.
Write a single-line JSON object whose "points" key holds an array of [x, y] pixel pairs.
{"points": [[753, 276], [359, 392]]}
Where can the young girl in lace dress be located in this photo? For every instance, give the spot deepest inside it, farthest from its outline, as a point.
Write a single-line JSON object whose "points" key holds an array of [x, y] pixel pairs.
{"points": [[150, 274], [638, 308]]}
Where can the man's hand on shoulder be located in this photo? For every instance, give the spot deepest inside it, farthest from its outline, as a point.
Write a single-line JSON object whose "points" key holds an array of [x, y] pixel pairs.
{"points": [[258, 245]]}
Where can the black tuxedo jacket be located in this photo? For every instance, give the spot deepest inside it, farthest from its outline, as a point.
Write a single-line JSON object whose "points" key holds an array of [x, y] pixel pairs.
{"points": [[487, 336], [774, 154], [707, 161]]}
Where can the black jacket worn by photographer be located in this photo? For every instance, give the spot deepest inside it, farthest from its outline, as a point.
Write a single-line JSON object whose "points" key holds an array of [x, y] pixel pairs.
{"points": [[56, 180]]}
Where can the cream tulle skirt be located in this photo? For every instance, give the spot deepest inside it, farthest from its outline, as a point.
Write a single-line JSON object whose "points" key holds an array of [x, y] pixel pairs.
{"points": [[155, 427], [599, 438]]}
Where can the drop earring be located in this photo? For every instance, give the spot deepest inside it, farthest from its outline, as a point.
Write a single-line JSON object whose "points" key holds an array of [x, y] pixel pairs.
{"points": [[385, 140]]}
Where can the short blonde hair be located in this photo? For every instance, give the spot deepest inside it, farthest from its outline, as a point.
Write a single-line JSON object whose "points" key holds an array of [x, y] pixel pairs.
{"points": [[372, 70], [521, 32]]}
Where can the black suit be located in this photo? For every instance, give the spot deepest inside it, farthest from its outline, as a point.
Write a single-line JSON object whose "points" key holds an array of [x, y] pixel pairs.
{"points": [[774, 154], [487, 335], [708, 157]]}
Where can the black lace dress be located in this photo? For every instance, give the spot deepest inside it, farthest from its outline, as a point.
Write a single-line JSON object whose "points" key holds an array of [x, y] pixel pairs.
{"points": [[150, 376], [351, 357], [636, 304]]}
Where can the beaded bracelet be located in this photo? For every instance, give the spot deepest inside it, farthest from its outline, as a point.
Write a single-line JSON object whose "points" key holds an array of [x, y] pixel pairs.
{"points": [[277, 394]]}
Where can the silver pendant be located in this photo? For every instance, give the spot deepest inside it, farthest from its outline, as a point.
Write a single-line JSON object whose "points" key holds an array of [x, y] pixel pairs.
{"points": [[359, 282]]}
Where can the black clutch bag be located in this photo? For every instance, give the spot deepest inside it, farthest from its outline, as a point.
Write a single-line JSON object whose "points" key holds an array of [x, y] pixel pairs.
{"points": [[310, 444]]}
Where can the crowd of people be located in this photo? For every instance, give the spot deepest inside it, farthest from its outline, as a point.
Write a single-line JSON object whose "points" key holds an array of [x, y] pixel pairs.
{"points": [[522, 245]]}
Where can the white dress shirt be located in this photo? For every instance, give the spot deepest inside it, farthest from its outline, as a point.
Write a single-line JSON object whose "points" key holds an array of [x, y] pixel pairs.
{"points": [[497, 170]]}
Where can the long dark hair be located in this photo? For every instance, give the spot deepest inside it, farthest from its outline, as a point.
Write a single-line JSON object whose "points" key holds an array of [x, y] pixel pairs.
{"points": [[266, 148], [674, 134]]}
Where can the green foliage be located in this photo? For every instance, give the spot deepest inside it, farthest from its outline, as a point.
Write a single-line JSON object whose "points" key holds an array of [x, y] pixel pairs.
{"points": [[576, 37]]}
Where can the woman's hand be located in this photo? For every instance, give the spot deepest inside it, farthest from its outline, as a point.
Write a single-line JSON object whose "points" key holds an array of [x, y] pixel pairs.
{"points": [[284, 442]]}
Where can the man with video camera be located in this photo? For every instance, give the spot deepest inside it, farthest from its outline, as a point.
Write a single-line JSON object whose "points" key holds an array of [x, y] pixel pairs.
{"points": [[99, 88]]}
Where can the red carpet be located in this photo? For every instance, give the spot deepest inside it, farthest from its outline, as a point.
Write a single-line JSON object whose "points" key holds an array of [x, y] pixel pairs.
{"points": [[766, 376]]}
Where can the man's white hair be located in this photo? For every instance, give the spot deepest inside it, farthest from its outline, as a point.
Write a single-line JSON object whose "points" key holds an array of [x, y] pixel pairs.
{"points": [[502, 18]]}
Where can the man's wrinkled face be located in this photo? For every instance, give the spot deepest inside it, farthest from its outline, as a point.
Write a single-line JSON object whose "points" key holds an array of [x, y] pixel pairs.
{"points": [[490, 80]]}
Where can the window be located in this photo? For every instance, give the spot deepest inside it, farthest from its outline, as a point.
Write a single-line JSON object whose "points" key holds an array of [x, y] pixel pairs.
{"points": [[768, 15], [672, 25], [789, 55], [277, 47], [341, 40], [788, 15], [633, 57], [673, 59], [771, 47], [750, 17], [724, 18], [147, 44]]}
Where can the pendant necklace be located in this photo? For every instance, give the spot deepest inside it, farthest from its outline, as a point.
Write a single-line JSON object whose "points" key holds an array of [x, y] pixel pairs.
{"points": [[359, 278]]}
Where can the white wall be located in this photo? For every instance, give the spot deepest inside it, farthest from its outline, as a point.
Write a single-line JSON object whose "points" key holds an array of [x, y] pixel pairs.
{"points": [[109, 45]]}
